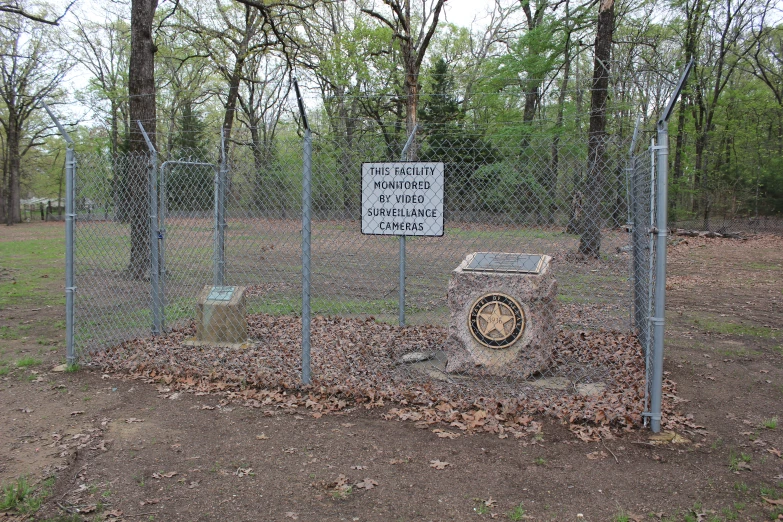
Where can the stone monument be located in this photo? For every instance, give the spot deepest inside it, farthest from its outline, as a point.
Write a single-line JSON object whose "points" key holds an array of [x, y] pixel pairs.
{"points": [[220, 316], [502, 314]]}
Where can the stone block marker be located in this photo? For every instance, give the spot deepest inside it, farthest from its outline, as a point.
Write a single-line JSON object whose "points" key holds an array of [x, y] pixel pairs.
{"points": [[502, 309], [220, 316]]}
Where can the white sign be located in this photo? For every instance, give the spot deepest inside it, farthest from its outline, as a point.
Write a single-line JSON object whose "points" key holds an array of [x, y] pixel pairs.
{"points": [[402, 199]]}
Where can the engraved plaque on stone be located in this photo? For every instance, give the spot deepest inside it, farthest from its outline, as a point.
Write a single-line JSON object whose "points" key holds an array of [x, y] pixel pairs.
{"points": [[221, 293], [502, 308], [505, 262]]}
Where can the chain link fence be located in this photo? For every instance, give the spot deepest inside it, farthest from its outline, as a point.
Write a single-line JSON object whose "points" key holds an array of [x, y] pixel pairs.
{"points": [[226, 228]]}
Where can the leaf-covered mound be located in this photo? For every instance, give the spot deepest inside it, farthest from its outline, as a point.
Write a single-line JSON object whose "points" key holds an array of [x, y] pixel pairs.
{"points": [[357, 361]]}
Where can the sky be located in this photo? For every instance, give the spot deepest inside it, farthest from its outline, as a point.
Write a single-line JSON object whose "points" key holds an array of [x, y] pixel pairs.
{"points": [[468, 12]]}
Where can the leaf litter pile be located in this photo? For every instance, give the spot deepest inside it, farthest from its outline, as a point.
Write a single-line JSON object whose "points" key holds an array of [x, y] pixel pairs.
{"points": [[358, 362]]}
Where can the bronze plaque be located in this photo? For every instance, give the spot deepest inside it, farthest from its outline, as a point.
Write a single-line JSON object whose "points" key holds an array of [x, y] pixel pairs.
{"points": [[496, 320]]}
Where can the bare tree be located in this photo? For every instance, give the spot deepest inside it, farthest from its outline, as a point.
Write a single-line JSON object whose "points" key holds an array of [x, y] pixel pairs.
{"points": [[413, 42], [17, 8], [30, 71], [104, 51]]}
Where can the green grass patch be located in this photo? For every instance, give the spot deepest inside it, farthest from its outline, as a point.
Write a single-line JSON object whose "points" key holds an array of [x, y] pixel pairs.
{"points": [[726, 327], [764, 266], [517, 513], [738, 352], [21, 497], [26, 362], [283, 305], [43, 262]]}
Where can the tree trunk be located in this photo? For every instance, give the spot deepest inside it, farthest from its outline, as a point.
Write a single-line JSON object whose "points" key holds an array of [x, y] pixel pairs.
{"points": [[590, 242], [551, 180], [236, 75], [141, 91], [14, 209]]}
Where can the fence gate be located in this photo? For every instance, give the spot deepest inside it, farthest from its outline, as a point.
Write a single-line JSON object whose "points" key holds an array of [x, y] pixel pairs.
{"points": [[191, 231]]}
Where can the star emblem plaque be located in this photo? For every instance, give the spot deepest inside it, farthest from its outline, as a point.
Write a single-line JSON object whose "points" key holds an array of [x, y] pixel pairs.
{"points": [[496, 321]]}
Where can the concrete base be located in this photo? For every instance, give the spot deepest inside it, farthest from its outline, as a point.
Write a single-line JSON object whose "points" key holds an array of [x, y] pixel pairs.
{"points": [[220, 316], [487, 306]]}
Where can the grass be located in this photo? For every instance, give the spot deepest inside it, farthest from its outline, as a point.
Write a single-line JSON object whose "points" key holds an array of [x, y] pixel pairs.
{"points": [[540, 461], [728, 328], [20, 496], [26, 362], [43, 262], [770, 424], [325, 306], [517, 513]]}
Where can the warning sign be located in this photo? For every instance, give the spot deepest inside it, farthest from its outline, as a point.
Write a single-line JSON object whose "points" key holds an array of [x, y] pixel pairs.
{"points": [[402, 199]]}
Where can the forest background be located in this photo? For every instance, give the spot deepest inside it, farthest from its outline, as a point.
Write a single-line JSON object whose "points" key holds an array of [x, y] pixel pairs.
{"points": [[374, 68]]}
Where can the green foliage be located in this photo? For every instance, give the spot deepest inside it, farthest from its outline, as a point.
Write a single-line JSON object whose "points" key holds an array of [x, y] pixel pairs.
{"points": [[190, 187], [501, 187]]}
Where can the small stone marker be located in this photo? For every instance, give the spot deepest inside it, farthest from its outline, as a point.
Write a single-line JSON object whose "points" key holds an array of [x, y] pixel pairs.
{"points": [[220, 315], [502, 313]]}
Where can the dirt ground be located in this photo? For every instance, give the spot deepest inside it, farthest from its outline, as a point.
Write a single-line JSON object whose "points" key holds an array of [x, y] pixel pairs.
{"points": [[106, 447]]}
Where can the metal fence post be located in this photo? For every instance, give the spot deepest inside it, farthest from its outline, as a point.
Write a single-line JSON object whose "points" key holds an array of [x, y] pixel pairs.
{"points": [[307, 175], [70, 216], [403, 157], [219, 266], [157, 308], [658, 319]]}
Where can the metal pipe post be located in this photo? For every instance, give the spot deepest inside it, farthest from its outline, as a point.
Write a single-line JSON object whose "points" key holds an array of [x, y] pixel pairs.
{"points": [[402, 282], [70, 216], [657, 320], [152, 190], [403, 157], [219, 261], [306, 253]]}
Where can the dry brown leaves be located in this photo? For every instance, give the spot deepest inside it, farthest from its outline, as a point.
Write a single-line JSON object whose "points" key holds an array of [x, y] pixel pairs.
{"points": [[355, 362]]}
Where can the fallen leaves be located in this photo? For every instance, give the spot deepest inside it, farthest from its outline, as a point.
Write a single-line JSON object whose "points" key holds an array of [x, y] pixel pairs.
{"points": [[774, 502], [262, 436], [164, 475], [244, 472], [443, 434], [359, 365], [437, 464], [597, 455], [366, 484], [131, 420]]}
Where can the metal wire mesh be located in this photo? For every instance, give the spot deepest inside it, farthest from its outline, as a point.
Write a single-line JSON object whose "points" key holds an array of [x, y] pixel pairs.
{"points": [[643, 220], [231, 221]]}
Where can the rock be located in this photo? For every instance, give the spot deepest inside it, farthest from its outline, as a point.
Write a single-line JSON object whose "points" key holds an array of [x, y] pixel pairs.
{"points": [[220, 315], [415, 357], [60, 368], [590, 388], [502, 320]]}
